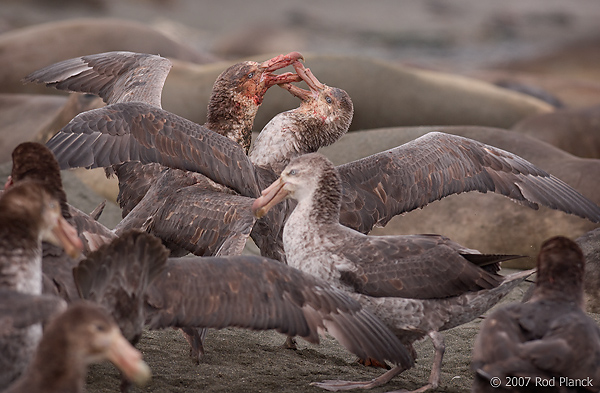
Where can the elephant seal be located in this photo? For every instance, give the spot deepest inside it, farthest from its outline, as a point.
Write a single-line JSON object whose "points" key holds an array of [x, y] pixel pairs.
{"points": [[384, 94], [22, 116], [36, 117], [576, 130], [572, 91]]}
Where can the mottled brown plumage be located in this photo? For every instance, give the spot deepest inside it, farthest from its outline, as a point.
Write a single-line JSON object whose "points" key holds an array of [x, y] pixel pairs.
{"points": [[323, 116], [436, 165], [113, 76], [258, 293], [191, 213], [125, 77], [418, 285], [34, 161], [240, 291], [236, 96], [82, 335], [28, 214], [117, 276], [546, 338], [376, 188]]}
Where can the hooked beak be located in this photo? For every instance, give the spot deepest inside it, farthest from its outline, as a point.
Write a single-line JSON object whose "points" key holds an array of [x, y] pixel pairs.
{"points": [[128, 359], [270, 196], [307, 76], [281, 61], [278, 62], [65, 236]]}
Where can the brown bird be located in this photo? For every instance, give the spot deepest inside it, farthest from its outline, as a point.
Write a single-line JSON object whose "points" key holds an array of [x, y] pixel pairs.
{"points": [[82, 335], [548, 343], [376, 188], [418, 285], [117, 276], [34, 161], [216, 292], [122, 78], [28, 214], [267, 295]]}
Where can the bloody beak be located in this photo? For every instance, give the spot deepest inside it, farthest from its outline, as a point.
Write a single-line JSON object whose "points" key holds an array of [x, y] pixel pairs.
{"points": [[270, 196], [281, 61], [128, 359], [67, 238], [307, 76], [277, 63]]}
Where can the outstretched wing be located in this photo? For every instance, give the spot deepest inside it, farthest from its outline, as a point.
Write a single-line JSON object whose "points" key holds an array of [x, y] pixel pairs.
{"points": [[258, 293], [188, 211], [139, 132], [114, 76], [383, 185]]}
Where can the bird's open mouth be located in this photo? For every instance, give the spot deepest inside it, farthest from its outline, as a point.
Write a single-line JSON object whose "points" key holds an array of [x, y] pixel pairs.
{"points": [[276, 63], [307, 76]]}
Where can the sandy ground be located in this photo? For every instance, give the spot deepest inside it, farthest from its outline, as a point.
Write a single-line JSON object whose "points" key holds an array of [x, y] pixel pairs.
{"points": [[460, 35]]}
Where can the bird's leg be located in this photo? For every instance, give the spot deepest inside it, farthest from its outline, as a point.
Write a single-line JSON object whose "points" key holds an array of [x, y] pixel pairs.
{"points": [[335, 385], [290, 343], [195, 337], [436, 368]]}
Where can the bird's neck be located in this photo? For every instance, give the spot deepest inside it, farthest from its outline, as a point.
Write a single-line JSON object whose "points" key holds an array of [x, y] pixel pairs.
{"points": [[559, 292], [322, 206], [291, 134], [64, 373], [277, 144], [232, 116]]}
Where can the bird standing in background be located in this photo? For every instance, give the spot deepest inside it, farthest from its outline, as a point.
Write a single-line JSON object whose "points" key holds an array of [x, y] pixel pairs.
{"points": [[28, 214], [549, 341]]}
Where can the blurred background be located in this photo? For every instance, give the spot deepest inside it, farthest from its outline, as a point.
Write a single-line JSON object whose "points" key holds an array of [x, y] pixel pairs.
{"points": [[458, 35]]}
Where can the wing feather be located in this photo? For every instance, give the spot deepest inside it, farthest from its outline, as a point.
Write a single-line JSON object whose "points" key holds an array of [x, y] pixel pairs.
{"points": [[436, 165], [114, 76], [258, 293], [140, 132]]}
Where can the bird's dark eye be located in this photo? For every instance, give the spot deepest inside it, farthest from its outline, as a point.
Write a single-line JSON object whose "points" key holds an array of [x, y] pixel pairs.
{"points": [[251, 75], [328, 99], [99, 327]]}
